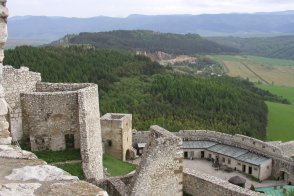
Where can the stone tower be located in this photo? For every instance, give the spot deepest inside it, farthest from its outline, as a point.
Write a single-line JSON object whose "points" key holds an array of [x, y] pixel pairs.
{"points": [[4, 125]]}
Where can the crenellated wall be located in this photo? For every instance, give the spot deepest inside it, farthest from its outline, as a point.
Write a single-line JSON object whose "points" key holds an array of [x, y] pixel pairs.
{"points": [[17, 81]]}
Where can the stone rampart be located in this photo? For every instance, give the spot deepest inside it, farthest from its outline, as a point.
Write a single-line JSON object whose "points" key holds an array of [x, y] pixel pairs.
{"points": [[17, 81], [160, 171], [200, 184]]}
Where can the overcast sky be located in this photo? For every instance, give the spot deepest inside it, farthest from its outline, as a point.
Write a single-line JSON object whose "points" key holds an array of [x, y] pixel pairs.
{"points": [[123, 8]]}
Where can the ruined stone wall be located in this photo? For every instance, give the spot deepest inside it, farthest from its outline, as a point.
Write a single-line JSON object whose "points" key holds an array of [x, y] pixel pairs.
{"points": [[48, 117], [200, 184], [140, 136], [4, 125], [90, 132], [56, 87], [160, 171], [16, 81]]}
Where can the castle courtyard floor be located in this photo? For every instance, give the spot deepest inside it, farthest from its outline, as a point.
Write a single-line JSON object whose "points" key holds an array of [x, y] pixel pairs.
{"points": [[206, 167]]}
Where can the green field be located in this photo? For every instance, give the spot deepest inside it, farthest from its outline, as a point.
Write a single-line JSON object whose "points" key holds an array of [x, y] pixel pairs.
{"points": [[280, 116], [258, 69]]}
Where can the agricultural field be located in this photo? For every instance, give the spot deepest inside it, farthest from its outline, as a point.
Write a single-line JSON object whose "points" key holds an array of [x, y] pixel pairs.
{"points": [[260, 70], [281, 116]]}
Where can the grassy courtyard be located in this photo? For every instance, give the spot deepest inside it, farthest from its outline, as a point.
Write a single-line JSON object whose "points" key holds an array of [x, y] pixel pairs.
{"points": [[114, 166]]}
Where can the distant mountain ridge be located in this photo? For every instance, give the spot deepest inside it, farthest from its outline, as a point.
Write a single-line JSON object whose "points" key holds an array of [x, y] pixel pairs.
{"points": [[274, 47], [150, 41], [52, 28]]}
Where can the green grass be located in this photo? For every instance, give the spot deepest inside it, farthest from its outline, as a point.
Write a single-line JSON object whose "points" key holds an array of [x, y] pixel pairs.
{"points": [[256, 59], [116, 167], [74, 169], [280, 122], [280, 116], [59, 156], [286, 92]]}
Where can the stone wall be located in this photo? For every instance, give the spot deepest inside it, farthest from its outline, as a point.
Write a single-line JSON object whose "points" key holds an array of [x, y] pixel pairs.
{"points": [[200, 184], [48, 118], [160, 171], [140, 136], [4, 125], [90, 132], [17, 81]]}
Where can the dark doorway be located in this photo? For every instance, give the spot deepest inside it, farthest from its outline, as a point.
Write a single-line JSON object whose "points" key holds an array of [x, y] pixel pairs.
{"points": [[129, 155], [244, 168], [202, 154], [185, 154], [69, 141], [282, 175], [250, 170]]}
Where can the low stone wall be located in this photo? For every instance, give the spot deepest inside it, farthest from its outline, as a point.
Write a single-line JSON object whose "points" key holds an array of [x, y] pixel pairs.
{"points": [[16, 81], [200, 184]]}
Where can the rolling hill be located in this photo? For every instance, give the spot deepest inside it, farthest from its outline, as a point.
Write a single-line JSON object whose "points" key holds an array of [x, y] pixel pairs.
{"points": [[142, 40]]}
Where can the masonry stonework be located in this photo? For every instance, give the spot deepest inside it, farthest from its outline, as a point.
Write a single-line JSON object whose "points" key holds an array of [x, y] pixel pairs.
{"points": [[17, 81], [90, 132], [200, 184], [160, 171], [117, 135], [4, 125]]}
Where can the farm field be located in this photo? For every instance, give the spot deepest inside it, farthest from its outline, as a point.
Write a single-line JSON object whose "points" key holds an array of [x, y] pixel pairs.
{"points": [[259, 69], [281, 116]]}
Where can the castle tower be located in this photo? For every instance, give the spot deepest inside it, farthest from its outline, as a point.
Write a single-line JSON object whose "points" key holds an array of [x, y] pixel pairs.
{"points": [[4, 125]]}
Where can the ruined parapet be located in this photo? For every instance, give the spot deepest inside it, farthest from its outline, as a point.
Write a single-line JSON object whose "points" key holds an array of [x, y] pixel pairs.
{"points": [[160, 171], [4, 133], [200, 184], [117, 135]]}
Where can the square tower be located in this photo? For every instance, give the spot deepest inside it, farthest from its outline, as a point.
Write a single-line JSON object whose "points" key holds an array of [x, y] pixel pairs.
{"points": [[117, 135]]}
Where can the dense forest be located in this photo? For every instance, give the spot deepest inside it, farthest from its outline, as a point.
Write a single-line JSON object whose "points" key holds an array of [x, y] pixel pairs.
{"points": [[150, 41], [274, 47], [153, 94]]}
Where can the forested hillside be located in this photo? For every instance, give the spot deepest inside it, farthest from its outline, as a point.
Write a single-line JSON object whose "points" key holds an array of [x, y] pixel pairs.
{"points": [[152, 93], [274, 47], [150, 41]]}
